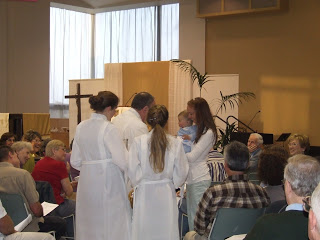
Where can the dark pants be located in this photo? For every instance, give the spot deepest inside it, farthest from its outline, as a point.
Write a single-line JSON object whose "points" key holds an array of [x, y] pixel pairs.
{"points": [[65, 209], [53, 223], [182, 219]]}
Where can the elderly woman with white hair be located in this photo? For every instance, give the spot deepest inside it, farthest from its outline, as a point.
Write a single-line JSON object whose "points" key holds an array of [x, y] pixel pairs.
{"points": [[23, 150], [52, 169]]}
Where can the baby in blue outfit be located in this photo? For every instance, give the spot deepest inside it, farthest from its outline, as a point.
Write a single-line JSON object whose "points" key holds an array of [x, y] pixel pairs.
{"points": [[186, 128]]}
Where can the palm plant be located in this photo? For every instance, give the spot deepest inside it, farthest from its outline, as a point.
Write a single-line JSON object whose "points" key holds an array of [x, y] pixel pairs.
{"points": [[195, 75], [224, 136], [231, 100]]}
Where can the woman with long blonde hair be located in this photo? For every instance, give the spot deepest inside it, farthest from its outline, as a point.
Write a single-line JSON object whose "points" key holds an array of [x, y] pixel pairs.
{"points": [[157, 166]]}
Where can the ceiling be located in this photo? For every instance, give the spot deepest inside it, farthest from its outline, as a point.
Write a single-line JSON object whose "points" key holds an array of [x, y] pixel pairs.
{"points": [[112, 3]]}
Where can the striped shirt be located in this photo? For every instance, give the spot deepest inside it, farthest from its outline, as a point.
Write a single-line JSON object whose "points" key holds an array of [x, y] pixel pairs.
{"points": [[235, 192]]}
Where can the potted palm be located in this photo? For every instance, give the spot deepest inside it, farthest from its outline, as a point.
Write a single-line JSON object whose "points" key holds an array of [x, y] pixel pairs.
{"points": [[225, 101]]}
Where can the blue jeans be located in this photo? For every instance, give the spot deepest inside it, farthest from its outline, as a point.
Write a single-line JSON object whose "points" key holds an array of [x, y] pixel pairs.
{"points": [[194, 195]]}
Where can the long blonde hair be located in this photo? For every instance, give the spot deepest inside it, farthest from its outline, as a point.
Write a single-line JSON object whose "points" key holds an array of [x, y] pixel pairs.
{"points": [[157, 119]]}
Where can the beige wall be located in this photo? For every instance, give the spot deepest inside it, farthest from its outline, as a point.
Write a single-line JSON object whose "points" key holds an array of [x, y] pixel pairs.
{"points": [[277, 56], [192, 36], [3, 56], [24, 55], [28, 56]]}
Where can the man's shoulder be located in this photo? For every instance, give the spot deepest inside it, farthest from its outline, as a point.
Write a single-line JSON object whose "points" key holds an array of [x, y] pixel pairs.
{"points": [[276, 219], [13, 171]]}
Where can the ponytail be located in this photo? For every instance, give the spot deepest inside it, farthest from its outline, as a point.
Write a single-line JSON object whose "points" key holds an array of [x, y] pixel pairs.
{"points": [[157, 118]]}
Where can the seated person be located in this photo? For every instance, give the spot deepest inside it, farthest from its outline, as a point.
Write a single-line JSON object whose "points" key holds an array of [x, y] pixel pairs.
{"points": [[255, 145], [298, 144], [301, 176], [312, 205], [23, 150], [236, 187], [35, 139], [218, 174], [52, 169], [19, 181], [7, 231], [271, 165], [8, 139], [216, 166], [187, 131]]}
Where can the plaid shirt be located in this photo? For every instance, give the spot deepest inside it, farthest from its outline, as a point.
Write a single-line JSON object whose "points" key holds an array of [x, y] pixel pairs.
{"points": [[235, 192]]}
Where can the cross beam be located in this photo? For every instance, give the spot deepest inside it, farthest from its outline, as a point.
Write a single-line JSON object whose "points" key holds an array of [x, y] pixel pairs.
{"points": [[78, 97]]}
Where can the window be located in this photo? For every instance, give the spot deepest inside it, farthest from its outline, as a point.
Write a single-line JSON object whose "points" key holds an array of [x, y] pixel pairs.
{"points": [[135, 35]]}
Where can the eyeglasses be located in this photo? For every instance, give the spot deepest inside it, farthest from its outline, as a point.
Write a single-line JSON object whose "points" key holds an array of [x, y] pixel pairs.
{"points": [[306, 203]]}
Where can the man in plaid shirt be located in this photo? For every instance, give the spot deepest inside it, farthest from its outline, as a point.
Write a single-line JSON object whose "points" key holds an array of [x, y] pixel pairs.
{"points": [[235, 192]]}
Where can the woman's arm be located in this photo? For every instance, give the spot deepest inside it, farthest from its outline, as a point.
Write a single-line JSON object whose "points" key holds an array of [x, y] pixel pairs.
{"points": [[67, 187], [117, 148], [76, 155], [134, 170], [204, 143], [181, 166]]}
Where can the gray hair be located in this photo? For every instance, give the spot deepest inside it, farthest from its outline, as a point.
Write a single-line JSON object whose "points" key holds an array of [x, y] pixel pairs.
{"points": [[20, 145], [236, 156], [315, 205], [259, 137], [303, 174], [53, 145]]}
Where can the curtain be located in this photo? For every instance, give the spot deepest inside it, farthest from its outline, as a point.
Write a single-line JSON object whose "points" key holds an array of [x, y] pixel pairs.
{"points": [[136, 35], [70, 55], [125, 36], [169, 33]]}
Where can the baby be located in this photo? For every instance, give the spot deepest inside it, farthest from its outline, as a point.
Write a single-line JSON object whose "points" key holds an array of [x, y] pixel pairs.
{"points": [[186, 128]]}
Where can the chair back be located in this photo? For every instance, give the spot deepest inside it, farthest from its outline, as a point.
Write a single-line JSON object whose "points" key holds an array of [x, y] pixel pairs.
{"points": [[15, 207], [45, 191], [234, 221]]}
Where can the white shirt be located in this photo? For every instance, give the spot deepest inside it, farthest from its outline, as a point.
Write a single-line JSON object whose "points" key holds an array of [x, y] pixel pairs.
{"points": [[130, 125], [197, 158]]}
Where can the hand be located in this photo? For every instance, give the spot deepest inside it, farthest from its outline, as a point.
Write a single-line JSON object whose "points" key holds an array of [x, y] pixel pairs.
{"points": [[186, 137], [74, 184], [252, 148]]}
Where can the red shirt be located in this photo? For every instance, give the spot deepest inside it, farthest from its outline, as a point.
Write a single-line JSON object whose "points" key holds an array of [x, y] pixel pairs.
{"points": [[52, 171]]}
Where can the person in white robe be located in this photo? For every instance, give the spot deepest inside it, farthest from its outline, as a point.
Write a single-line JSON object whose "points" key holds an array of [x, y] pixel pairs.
{"points": [[103, 210], [131, 123], [157, 166]]}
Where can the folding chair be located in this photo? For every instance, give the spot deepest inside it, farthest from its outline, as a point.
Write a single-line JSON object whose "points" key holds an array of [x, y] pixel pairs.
{"points": [[234, 221]]}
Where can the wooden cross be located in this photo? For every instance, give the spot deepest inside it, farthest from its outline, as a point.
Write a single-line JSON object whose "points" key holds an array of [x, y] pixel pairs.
{"points": [[78, 97]]}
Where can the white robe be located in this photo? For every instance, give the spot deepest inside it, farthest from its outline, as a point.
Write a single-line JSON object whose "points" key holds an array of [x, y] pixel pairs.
{"points": [[130, 125], [155, 212], [103, 210]]}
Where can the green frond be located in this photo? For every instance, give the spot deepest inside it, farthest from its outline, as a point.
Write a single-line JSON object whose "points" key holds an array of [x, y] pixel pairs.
{"points": [[195, 75], [233, 100]]}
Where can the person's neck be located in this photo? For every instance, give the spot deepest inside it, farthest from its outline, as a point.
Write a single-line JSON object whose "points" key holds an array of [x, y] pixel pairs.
{"points": [[294, 199], [232, 173]]}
